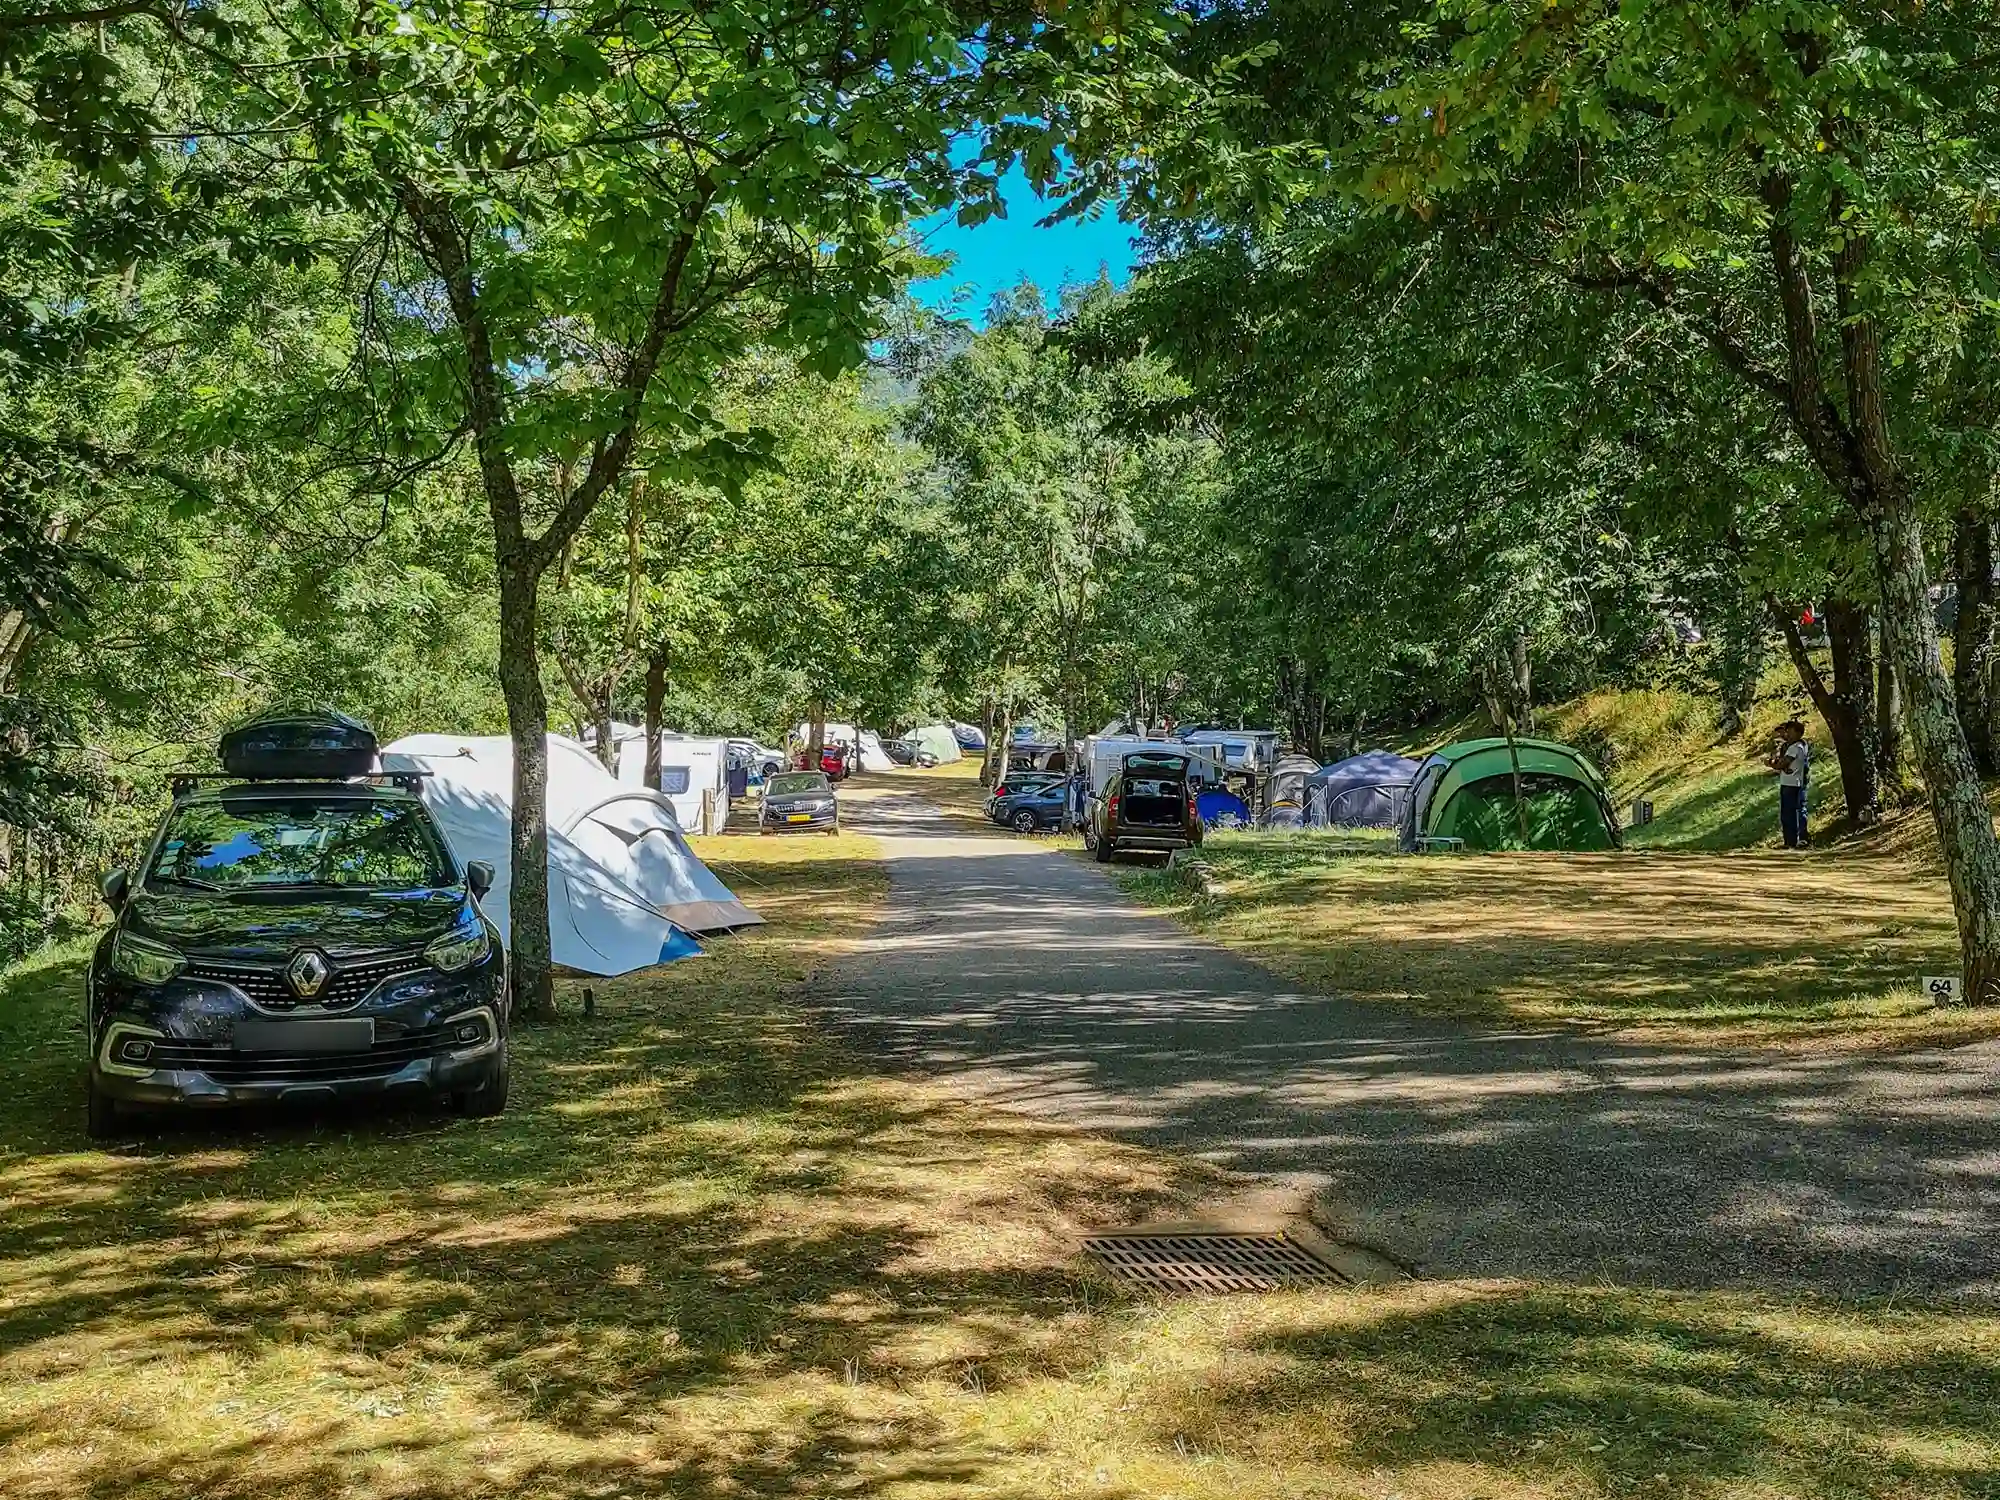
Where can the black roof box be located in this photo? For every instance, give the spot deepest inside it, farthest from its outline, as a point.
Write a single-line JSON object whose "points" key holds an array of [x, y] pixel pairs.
{"points": [[312, 744]]}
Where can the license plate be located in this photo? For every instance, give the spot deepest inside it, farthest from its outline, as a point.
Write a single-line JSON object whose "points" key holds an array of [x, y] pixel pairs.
{"points": [[304, 1036], [798, 817]]}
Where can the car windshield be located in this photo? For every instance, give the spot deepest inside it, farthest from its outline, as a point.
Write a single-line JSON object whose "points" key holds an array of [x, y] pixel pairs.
{"points": [[248, 843], [795, 783]]}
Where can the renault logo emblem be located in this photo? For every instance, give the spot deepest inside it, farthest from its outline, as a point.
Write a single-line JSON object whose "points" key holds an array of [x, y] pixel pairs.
{"points": [[307, 973]]}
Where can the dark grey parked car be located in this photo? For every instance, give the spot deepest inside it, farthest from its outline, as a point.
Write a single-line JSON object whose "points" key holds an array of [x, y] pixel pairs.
{"points": [[799, 802]]}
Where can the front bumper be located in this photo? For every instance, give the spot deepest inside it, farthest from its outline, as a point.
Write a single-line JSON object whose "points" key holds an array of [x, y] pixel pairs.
{"points": [[177, 1045], [814, 823], [197, 1089]]}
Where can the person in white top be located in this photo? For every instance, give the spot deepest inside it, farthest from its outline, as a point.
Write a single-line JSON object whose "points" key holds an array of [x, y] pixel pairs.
{"points": [[1793, 762]]}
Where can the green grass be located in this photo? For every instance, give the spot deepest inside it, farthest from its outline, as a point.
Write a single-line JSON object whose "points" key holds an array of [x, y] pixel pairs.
{"points": [[1755, 947], [706, 1254], [1708, 793]]}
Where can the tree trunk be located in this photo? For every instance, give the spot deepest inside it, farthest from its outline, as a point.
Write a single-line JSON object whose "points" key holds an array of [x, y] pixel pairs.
{"points": [[1521, 707], [816, 732], [528, 725], [1972, 638], [1888, 714], [1846, 709], [607, 741], [986, 723], [1851, 638], [1951, 778], [1854, 451], [1520, 803], [656, 702], [996, 748]]}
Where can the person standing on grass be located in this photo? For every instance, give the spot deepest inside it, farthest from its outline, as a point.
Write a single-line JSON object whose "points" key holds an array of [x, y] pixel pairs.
{"points": [[1793, 763]]}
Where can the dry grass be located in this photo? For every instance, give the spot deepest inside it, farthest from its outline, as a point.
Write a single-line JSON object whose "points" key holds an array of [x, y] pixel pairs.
{"points": [[705, 1256], [1747, 948], [954, 789]]}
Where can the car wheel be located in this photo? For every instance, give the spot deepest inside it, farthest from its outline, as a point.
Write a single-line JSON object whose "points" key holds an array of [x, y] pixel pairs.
{"points": [[101, 1119], [1101, 851], [1024, 821], [486, 1100]]}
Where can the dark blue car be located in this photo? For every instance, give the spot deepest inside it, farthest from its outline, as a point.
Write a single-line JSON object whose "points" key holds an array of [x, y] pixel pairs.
{"points": [[1031, 809]]}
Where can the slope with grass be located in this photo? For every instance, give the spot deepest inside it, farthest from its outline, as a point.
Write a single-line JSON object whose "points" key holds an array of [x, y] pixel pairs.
{"points": [[708, 1256], [1708, 792]]}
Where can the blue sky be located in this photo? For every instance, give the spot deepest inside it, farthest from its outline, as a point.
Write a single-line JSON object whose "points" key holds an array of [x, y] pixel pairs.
{"points": [[995, 255]]}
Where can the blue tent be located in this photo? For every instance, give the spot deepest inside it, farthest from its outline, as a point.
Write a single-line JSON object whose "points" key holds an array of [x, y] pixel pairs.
{"points": [[1217, 806], [1363, 791]]}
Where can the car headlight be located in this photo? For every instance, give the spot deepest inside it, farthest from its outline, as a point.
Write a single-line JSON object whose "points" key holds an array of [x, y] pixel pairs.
{"points": [[145, 962], [459, 949]]}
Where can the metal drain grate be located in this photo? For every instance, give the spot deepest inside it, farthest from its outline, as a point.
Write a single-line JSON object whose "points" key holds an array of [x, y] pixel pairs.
{"points": [[1210, 1262]]}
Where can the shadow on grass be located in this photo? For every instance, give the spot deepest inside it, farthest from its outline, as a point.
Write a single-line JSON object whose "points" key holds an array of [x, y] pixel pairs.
{"points": [[1601, 1391], [1737, 812], [704, 1257], [1765, 946], [697, 1256]]}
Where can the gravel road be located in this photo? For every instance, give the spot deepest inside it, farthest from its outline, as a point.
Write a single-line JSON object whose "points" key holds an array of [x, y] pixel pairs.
{"points": [[1028, 979]]}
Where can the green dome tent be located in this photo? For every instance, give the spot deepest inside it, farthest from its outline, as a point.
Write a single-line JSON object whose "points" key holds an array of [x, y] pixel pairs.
{"points": [[1466, 792]]}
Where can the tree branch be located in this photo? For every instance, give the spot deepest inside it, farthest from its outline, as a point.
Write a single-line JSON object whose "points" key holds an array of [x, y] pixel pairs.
{"points": [[438, 237], [1795, 647], [607, 463], [39, 20]]}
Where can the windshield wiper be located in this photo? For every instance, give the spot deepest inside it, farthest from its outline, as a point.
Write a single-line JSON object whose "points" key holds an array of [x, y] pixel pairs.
{"points": [[188, 881]]}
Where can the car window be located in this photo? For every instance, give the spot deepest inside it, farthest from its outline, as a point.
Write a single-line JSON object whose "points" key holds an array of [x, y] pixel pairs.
{"points": [[252, 843], [795, 782]]}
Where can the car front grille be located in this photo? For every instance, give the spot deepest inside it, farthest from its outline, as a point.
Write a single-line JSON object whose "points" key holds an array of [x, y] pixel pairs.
{"points": [[390, 1054], [349, 984]]}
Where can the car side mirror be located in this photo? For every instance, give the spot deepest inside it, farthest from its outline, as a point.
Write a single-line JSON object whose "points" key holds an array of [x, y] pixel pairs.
{"points": [[478, 877], [116, 885]]}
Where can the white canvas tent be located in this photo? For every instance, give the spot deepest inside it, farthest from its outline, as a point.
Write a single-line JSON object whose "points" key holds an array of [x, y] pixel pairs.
{"points": [[624, 888], [939, 740], [873, 756]]}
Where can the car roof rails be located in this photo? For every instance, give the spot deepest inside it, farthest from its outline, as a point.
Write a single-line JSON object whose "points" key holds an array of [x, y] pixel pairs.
{"points": [[180, 783]]}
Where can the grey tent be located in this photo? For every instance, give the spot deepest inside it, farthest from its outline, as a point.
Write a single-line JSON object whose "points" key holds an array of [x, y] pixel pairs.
{"points": [[1288, 778], [1285, 793], [1363, 791]]}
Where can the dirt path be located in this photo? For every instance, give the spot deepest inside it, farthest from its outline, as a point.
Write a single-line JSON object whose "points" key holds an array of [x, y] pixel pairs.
{"points": [[1028, 978]]}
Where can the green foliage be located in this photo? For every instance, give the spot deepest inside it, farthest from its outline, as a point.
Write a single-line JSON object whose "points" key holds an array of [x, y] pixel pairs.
{"points": [[1072, 505]]}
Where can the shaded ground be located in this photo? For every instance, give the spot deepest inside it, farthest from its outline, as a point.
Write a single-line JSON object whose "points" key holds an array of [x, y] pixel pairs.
{"points": [[706, 1255], [1026, 978]]}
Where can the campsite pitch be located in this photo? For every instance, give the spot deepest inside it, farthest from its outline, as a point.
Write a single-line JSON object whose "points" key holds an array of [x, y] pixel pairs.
{"points": [[1753, 947]]}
